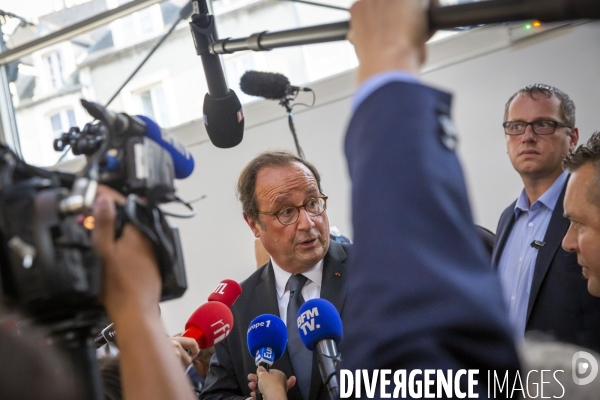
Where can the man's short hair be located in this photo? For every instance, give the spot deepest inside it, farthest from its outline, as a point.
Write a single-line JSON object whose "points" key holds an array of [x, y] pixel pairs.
{"points": [[567, 107], [586, 154], [247, 181]]}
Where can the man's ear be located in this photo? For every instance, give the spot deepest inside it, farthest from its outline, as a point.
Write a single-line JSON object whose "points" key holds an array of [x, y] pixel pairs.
{"points": [[254, 225], [574, 138]]}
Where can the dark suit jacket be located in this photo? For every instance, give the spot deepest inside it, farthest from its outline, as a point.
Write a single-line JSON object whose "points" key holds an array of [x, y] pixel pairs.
{"points": [[232, 362], [559, 304], [423, 295]]}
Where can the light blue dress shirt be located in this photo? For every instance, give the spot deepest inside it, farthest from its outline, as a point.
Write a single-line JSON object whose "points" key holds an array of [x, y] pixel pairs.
{"points": [[517, 262], [376, 81]]}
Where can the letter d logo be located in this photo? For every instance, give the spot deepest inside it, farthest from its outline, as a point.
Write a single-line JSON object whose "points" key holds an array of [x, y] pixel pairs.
{"points": [[582, 363]]}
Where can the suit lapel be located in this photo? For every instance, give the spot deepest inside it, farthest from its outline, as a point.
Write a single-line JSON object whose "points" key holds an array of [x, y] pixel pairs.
{"points": [[265, 294], [332, 290], [507, 220], [554, 235], [332, 285]]}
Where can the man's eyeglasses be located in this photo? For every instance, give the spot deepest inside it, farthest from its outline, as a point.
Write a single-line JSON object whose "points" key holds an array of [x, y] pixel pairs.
{"points": [[541, 127], [314, 206]]}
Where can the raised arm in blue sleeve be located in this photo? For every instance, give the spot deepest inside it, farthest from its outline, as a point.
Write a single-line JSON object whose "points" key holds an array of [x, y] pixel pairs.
{"points": [[422, 295]]}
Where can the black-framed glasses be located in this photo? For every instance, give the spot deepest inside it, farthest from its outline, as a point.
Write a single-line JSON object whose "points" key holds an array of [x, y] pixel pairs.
{"points": [[540, 127], [314, 206]]}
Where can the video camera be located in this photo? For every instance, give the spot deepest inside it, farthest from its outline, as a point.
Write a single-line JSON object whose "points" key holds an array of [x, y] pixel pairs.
{"points": [[48, 270]]}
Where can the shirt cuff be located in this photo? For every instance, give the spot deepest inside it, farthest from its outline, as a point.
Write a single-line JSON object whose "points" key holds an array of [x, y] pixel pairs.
{"points": [[375, 82]]}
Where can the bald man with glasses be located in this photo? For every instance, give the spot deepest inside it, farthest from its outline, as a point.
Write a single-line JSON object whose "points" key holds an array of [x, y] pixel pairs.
{"points": [[285, 207], [542, 283]]}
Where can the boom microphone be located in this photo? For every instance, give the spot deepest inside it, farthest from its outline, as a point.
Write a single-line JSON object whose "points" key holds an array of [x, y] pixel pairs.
{"points": [[183, 161], [269, 85], [226, 292], [320, 328], [223, 115], [209, 324]]}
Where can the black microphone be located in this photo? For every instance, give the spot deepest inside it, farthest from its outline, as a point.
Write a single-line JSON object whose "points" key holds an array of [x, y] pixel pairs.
{"points": [[270, 85], [537, 244], [320, 329], [108, 335], [223, 115]]}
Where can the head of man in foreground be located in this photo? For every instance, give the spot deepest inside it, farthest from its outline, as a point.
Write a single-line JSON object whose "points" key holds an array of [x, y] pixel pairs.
{"points": [[284, 206], [582, 207]]}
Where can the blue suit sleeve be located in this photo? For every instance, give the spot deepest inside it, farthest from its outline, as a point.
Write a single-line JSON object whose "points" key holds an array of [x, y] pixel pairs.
{"points": [[375, 82], [422, 295]]}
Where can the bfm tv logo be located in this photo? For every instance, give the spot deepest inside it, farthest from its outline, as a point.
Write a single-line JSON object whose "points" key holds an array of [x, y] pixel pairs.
{"points": [[585, 368], [306, 320]]}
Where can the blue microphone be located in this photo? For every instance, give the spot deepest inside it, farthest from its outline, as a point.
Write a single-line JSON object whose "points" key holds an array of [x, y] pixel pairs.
{"points": [[320, 328], [183, 161], [267, 339]]}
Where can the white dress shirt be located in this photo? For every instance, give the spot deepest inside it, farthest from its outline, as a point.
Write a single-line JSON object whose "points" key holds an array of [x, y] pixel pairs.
{"points": [[311, 290]]}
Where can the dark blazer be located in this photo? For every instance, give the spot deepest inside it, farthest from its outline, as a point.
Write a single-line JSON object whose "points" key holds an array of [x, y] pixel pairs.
{"points": [[559, 304], [232, 362], [423, 295]]}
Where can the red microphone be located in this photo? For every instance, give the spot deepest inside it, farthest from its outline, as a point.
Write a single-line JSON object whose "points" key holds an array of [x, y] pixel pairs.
{"points": [[209, 324], [226, 292]]}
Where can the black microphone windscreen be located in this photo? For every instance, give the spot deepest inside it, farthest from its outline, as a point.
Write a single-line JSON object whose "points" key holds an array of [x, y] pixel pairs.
{"points": [[264, 84], [224, 120]]}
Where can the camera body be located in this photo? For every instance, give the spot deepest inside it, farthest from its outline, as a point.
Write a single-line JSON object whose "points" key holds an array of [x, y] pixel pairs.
{"points": [[48, 270]]}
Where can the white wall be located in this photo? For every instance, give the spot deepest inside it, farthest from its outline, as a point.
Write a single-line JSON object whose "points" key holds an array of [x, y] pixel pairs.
{"points": [[482, 68], [568, 58]]}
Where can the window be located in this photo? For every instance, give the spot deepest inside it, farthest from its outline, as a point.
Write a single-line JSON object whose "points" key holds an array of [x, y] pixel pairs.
{"points": [[62, 121], [139, 25], [146, 20], [54, 68], [152, 103], [128, 26]]}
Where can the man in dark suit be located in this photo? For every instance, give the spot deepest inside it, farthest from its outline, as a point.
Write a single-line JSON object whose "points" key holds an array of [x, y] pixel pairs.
{"points": [[422, 294], [582, 208], [542, 283], [284, 206]]}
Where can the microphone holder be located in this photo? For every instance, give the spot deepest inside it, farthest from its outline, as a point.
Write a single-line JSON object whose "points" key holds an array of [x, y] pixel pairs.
{"points": [[259, 395], [460, 15], [204, 33], [285, 102], [327, 358]]}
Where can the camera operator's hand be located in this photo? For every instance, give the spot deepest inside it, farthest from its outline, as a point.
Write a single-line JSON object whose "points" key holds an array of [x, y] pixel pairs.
{"points": [[130, 271], [131, 289], [388, 35]]}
